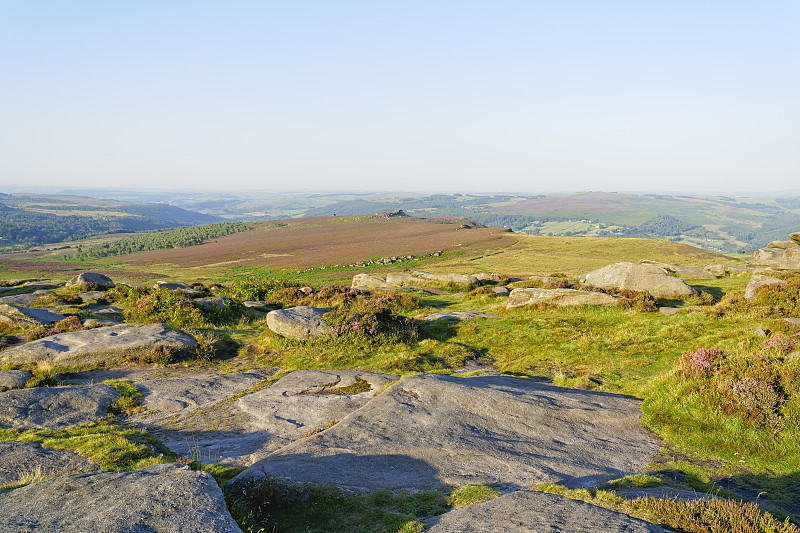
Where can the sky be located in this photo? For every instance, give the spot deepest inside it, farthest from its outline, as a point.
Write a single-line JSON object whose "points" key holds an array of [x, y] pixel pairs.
{"points": [[462, 96]]}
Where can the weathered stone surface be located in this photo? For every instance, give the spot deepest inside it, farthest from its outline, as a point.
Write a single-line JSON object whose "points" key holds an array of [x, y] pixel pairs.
{"points": [[367, 281], [429, 429], [92, 346], [757, 281], [172, 285], [666, 493], [254, 304], [91, 295], [795, 237], [306, 400], [91, 277], [458, 279], [780, 255], [15, 315], [46, 284], [164, 498], [459, 315], [301, 322], [213, 302], [537, 512], [558, 297], [501, 291], [716, 270], [14, 379], [26, 300], [394, 279], [29, 458], [795, 321], [106, 310], [483, 276], [638, 277], [56, 408], [669, 311]]}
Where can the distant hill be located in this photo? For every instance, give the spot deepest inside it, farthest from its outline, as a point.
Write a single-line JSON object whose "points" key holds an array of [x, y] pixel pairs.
{"points": [[34, 219]]}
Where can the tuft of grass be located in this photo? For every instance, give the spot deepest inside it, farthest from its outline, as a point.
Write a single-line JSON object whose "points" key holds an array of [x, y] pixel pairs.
{"points": [[44, 375], [26, 477], [130, 397], [639, 481], [472, 494]]}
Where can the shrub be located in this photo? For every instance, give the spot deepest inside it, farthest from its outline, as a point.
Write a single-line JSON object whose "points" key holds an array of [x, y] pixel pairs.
{"points": [[374, 319], [71, 323], [173, 308], [256, 289], [702, 362]]}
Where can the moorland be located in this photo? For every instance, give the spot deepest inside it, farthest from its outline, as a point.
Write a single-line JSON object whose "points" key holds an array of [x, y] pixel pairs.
{"points": [[712, 375]]}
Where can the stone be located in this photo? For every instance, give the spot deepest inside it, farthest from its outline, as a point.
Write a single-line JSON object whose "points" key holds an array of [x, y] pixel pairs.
{"points": [[429, 429], [49, 284], [27, 300], [669, 311], [795, 321], [716, 270], [91, 277], [778, 255], [300, 322], [15, 315], [795, 237], [537, 512], [639, 277], [459, 315], [164, 498], [757, 281], [367, 281], [483, 276], [666, 493], [172, 285], [213, 302], [255, 304], [457, 279], [22, 459], [395, 279], [761, 332], [14, 379], [100, 345], [558, 298], [307, 290], [55, 408], [501, 291], [91, 295]]}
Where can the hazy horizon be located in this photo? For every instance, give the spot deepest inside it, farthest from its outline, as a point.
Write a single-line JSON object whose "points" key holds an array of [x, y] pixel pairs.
{"points": [[523, 97]]}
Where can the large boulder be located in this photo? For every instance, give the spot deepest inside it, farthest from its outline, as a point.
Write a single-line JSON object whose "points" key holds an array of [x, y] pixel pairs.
{"points": [[100, 345], [367, 281], [427, 430], [778, 255], [14, 379], [56, 408], [638, 277], [757, 281], [558, 298], [22, 459], [457, 279], [300, 322], [94, 278], [15, 315], [537, 512], [165, 498]]}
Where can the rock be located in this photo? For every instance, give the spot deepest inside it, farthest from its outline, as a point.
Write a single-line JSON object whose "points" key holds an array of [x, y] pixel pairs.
{"points": [[558, 297], [537, 512], [795, 237], [716, 270], [638, 277], [27, 300], [666, 493], [172, 285], [29, 458], [56, 408], [394, 279], [106, 310], [98, 323], [761, 332], [457, 279], [91, 277], [779, 255], [494, 276], [13, 379], [500, 291], [301, 322], [366, 281], [669, 311], [795, 321], [255, 304], [108, 344], [91, 295], [15, 315], [427, 430], [213, 302], [163, 498], [459, 315], [307, 290], [757, 281], [44, 285], [305, 401]]}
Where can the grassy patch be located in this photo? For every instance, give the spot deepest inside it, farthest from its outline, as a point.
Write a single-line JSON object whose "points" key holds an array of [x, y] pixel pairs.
{"points": [[471, 495], [130, 397]]}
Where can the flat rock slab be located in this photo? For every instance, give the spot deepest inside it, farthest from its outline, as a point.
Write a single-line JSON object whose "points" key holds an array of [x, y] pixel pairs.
{"points": [[537, 512], [300, 322], [56, 408], [26, 300], [669, 311], [523, 297], [429, 429], [307, 400], [15, 315], [795, 321], [638, 277], [155, 499], [107, 344], [14, 379], [666, 493], [29, 458], [459, 315]]}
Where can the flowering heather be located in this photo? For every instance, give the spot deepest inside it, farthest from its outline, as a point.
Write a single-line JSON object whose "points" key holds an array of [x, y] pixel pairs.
{"points": [[702, 362], [782, 344], [760, 399]]}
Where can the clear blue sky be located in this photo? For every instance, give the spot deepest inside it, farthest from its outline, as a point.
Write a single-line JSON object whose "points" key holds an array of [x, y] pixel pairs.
{"points": [[529, 96]]}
